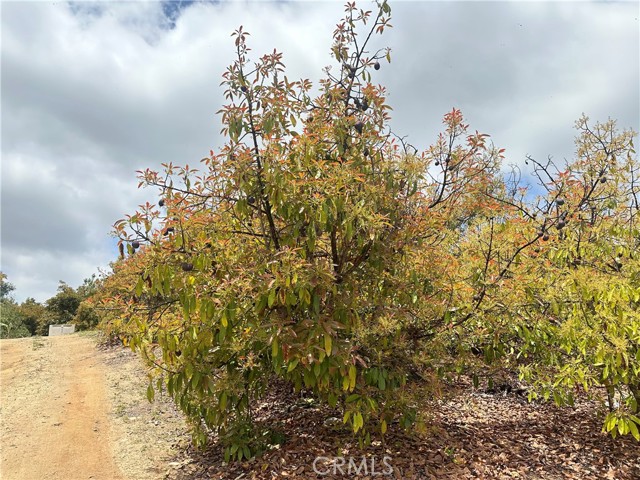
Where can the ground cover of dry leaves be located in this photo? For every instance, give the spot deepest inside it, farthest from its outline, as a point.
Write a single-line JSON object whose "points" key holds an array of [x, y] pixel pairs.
{"points": [[472, 435]]}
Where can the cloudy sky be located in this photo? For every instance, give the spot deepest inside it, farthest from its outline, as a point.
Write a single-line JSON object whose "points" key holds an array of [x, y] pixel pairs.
{"points": [[92, 92]]}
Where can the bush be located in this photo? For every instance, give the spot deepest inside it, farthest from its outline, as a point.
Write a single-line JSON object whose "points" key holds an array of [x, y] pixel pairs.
{"points": [[316, 246], [11, 322], [86, 317]]}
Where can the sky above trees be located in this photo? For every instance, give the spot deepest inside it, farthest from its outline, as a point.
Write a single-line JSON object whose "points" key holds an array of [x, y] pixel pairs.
{"points": [[92, 92]]}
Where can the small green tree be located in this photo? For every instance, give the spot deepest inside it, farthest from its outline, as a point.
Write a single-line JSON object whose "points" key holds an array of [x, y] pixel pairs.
{"points": [[5, 287], [60, 309], [32, 313], [87, 316], [12, 323]]}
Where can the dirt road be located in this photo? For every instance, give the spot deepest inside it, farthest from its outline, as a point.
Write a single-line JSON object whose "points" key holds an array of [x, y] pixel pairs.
{"points": [[72, 411], [54, 411], [66, 413]]}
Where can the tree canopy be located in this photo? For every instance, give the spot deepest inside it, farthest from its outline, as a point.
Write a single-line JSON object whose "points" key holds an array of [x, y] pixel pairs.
{"points": [[68, 305], [317, 246]]}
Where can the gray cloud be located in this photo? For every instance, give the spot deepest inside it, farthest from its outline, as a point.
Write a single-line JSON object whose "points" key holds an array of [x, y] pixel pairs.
{"points": [[92, 92], [522, 72]]}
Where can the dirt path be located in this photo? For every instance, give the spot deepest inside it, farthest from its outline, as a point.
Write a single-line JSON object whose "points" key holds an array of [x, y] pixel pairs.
{"points": [[55, 422], [70, 410]]}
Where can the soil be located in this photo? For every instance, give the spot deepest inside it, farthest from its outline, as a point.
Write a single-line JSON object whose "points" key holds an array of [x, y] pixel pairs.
{"points": [[71, 411]]}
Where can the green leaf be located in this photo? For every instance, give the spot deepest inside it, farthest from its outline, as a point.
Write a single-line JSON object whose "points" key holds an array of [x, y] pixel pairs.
{"points": [[316, 303], [352, 377], [345, 418], [272, 298], [304, 296], [358, 421], [327, 344], [610, 422], [345, 383], [633, 428], [293, 364], [622, 426], [150, 393], [381, 383], [267, 125], [352, 397]]}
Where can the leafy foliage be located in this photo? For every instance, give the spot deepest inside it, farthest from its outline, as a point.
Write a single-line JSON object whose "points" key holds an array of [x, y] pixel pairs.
{"points": [[32, 314], [5, 287], [12, 323], [30, 317], [71, 305], [319, 247], [558, 277], [582, 329]]}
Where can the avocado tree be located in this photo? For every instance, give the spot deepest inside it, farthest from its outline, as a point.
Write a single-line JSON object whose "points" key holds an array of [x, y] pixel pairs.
{"points": [[560, 277], [580, 322], [318, 247], [314, 245]]}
